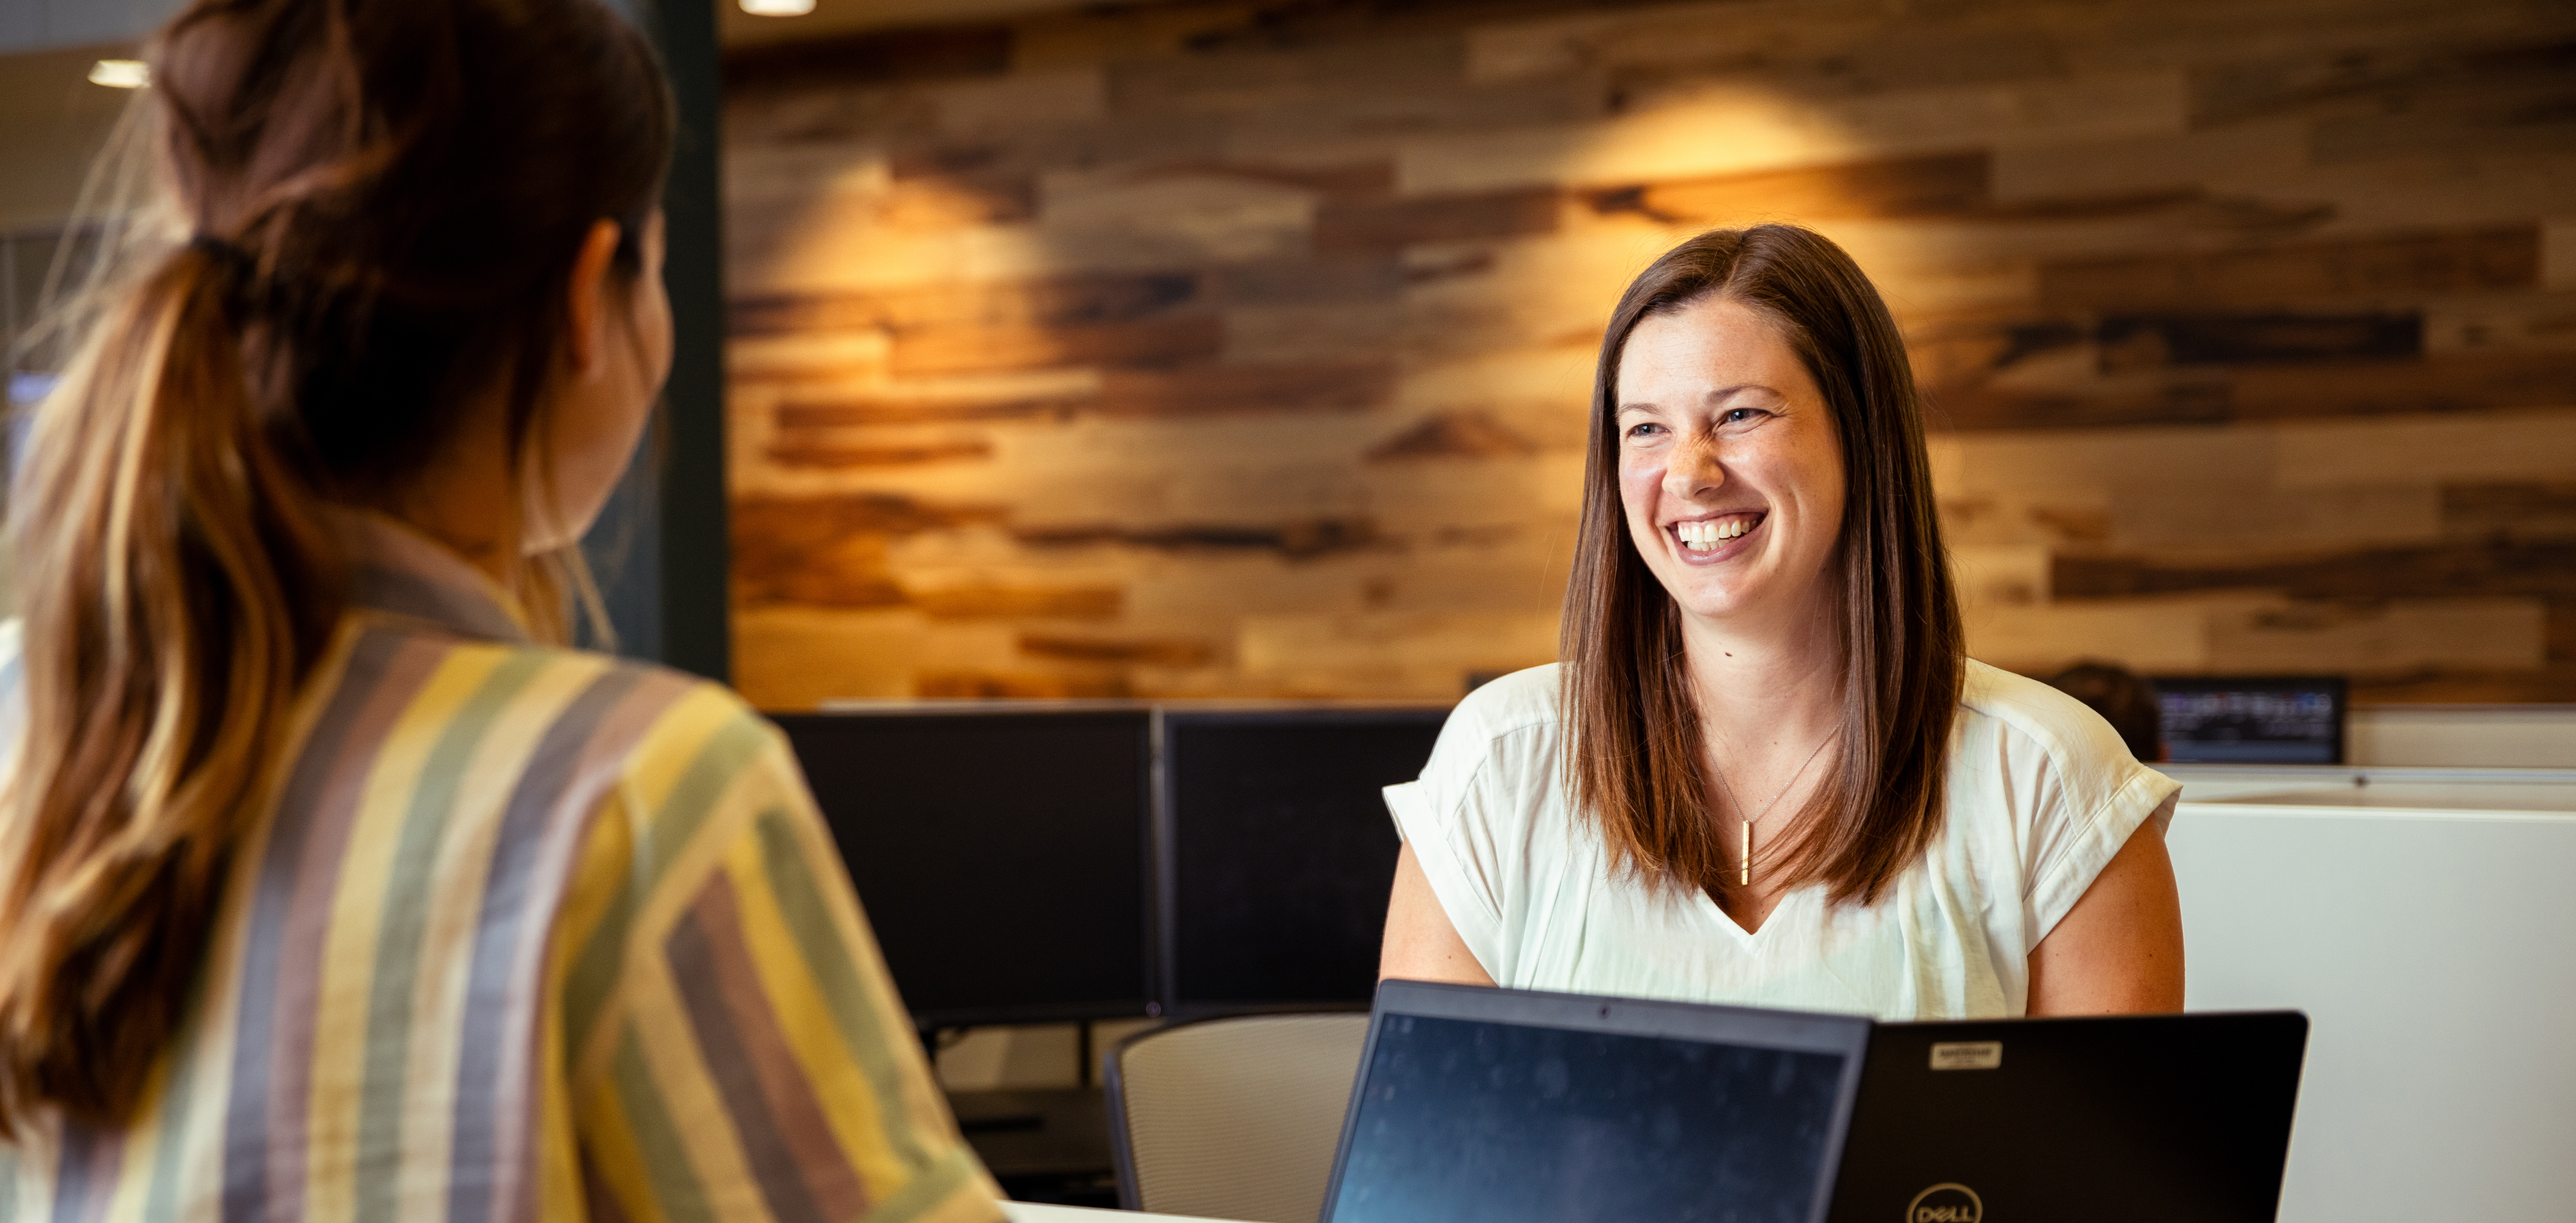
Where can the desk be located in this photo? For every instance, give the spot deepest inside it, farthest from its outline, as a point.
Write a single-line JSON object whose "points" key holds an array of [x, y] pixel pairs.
{"points": [[1031, 1212]]}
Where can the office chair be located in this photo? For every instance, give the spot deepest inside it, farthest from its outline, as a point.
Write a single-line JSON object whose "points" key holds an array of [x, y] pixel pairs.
{"points": [[1233, 1118]]}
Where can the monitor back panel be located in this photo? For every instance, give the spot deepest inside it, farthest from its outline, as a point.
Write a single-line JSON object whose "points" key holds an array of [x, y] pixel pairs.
{"points": [[1002, 857], [1479, 1105], [2144, 1119], [1282, 852]]}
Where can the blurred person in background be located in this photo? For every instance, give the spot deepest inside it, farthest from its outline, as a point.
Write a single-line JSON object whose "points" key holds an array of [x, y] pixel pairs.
{"points": [[2124, 700], [332, 885]]}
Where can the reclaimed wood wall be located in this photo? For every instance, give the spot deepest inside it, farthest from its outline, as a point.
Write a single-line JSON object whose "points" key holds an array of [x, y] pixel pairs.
{"points": [[1241, 347]]}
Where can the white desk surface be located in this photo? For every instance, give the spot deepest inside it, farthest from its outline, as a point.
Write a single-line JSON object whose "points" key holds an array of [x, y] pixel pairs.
{"points": [[1031, 1212]]}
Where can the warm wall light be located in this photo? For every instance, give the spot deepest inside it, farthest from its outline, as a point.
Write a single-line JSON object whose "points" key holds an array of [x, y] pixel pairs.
{"points": [[778, 8], [122, 73]]}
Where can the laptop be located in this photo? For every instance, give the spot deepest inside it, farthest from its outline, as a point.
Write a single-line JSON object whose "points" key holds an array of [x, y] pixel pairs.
{"points": [[2118, 1119], [1515, 1106], [1480, 1105]]}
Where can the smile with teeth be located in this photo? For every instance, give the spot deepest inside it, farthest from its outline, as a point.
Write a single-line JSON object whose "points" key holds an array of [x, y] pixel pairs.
{"points": [[1706, 536]]}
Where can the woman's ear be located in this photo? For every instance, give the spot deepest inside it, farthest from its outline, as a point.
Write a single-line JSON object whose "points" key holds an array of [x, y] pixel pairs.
{"points": [[586, 299]]}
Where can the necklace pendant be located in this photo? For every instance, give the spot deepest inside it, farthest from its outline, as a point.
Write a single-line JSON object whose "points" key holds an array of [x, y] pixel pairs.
{"points": [[1744, 857]]}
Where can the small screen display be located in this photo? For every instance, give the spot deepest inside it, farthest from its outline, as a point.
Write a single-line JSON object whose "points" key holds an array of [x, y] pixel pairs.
{"points": [[1502, 1123], [2252, 721]]}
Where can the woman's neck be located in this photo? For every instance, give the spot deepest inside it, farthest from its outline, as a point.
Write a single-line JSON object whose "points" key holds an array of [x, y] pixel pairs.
{"points": [[1775, 684], [465, 498]]}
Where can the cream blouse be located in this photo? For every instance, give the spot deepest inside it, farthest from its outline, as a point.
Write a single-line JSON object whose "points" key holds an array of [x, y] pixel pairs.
{"points": [[2041, 795]]}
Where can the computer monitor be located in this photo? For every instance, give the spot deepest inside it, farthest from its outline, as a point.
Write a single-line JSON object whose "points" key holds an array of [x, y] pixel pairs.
{"points": [[2252, 719], [1001, 854], [1281, 852]]}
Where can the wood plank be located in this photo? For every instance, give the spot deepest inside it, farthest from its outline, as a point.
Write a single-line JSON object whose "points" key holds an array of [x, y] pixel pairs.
{"points": [[830, 551], [1150, 651], [1086, 298], [1937, 185], [2336, 81], [1247, 83], [2501, 258], [918, 53], [1371, 179], [2545, 568], [2466, 383], [2516, 509], [2211, 396], [1453, 435], [2380, 636], [1019, 601], [857, 579], [2132, 341], [920, 352], [1220, 390], [947, 202], [1343, 228], [2549, 685], [1678, 135], [1018, 685], [1303, 539], [1373, 277], [850, 411], [1197, 390], [843, 456]]}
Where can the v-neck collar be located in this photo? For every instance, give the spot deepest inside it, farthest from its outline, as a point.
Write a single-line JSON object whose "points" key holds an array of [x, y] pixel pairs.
{"points": [[1751, 939]]}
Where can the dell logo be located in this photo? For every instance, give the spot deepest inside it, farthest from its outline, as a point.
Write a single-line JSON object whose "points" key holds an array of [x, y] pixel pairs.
{"points": [[1946, 1204]]}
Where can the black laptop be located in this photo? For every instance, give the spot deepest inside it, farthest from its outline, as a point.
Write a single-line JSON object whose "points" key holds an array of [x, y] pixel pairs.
{"points": [[1515, 1106], [1482, 1105], [2126, 1119]]}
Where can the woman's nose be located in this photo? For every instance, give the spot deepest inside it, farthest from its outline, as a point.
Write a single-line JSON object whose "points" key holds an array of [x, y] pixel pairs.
{"points": [[1694, 468]]}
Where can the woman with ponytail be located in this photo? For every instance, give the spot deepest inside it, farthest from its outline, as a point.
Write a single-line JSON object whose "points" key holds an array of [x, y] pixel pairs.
{"points": [[331, 885]]}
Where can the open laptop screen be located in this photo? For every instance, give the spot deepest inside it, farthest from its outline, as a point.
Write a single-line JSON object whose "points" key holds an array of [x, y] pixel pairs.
{"points": [[1611, 1111]]}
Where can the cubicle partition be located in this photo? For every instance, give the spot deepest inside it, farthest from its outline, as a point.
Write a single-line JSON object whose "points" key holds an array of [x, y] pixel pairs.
{"points": [[2423, 920]]}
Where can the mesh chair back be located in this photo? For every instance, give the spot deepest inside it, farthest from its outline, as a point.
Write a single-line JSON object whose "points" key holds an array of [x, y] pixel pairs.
{"points": [[1233, 1118]]}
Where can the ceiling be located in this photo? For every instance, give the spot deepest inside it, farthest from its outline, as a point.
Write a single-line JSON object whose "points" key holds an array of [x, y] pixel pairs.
{"points": [[52, 120], [52, 124]]}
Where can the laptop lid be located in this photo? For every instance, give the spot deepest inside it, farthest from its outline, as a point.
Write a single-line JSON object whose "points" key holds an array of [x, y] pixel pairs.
{"points": [[2121, 1119], [1513, 1106]]}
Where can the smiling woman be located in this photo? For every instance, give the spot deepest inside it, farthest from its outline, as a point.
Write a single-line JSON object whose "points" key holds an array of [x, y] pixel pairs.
{"points": [[1766, 772]]}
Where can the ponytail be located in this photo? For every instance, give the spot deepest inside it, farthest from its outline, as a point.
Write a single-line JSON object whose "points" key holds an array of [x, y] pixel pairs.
{"points": [[184, 584], [407, 184]]}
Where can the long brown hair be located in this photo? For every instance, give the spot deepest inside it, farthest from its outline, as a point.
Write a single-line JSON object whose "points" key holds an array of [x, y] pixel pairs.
{"points": [[1634, 752], [386, 197]]}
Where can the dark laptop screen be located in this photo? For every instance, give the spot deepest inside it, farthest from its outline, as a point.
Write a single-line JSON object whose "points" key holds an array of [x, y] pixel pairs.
{"points": [[1501, 1123]]}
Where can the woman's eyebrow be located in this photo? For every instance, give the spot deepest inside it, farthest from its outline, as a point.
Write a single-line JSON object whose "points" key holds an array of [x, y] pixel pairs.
{"points": [[1719, 395]]}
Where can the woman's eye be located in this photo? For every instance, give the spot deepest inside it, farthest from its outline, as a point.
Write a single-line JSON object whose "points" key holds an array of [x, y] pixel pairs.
{"points": [[1644, 429], [1738, 416]]}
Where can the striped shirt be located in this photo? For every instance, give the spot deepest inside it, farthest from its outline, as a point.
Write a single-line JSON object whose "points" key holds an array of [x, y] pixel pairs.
{"points": [[526, 933]]}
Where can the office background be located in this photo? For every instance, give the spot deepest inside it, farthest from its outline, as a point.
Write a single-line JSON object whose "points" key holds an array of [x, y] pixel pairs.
{"points": [[1222, 348], [1227, 348]]}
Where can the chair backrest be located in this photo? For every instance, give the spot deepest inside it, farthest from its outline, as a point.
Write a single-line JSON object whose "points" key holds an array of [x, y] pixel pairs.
{"points": [[1233, 1118]]}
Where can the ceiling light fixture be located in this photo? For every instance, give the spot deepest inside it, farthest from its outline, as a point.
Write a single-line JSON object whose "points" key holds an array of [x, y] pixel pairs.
{"points": [[120, 73], [778, 8]]}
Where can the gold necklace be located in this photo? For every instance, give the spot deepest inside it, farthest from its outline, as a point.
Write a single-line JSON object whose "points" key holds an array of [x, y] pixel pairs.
{"points": [[1744, 854]]}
